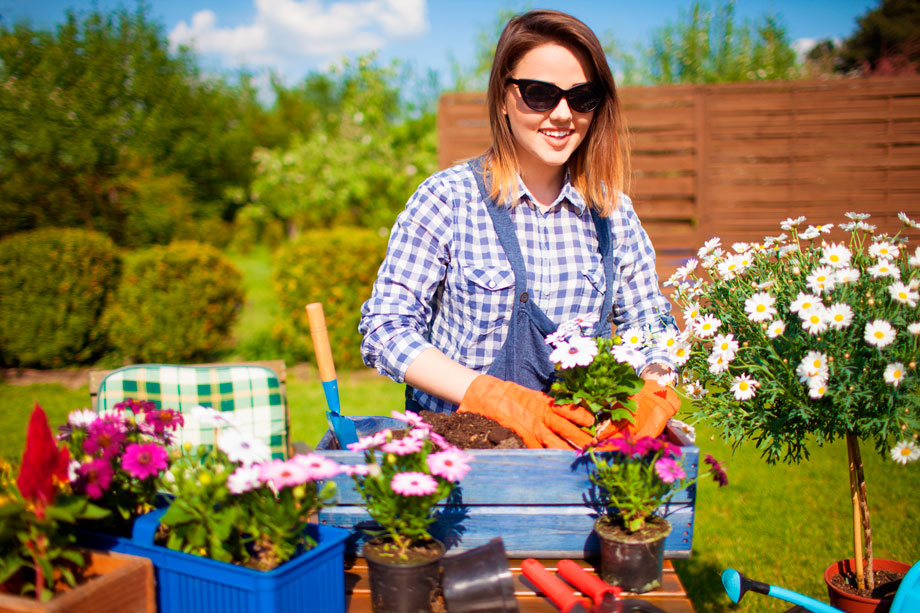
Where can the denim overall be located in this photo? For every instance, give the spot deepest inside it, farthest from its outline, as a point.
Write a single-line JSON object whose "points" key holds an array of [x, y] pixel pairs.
{"points": [[524, 357]]}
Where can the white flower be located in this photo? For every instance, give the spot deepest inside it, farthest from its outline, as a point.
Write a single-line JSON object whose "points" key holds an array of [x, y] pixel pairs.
{"points": [[244, 479], [821, 229], [817, 388], [787, 249], [883, 250], [822, 279], [243, 449], [776, 328], [744, 387], [669, 339], [759, 306], [813, 366], [706, 326], [578, 351], [868, 227], [709, 246], [725, 345], [903, 294], [712, 259], [686, 269], [628, 354], [740, 247], [814, 320], [894, 373], [718, 363], [633, 338], [907, 221], [791, 223], [730, 267], [744, 261], [680, 353], [836, 255], [914, 328], [207, 416], [914, 260], [565, 330], [847, 275], [666, 380], [691, 313], [810, 233], [905, 451], [858, 216], [695, 389], [770, 241], [804, 302], [879, 333], [81, 418], [839, 315]]}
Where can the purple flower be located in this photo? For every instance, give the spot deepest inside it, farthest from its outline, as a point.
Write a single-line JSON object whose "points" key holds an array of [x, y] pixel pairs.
{"points": [[142, 460], [95, 477], [413, 484], [105, 439], [452, 464], [717, 470], [669, 470]]}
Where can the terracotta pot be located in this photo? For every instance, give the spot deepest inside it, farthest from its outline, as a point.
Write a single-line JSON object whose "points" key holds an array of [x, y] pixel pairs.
{"points": [[632, 561], [858, 604], [119, 583], [399, 587]]}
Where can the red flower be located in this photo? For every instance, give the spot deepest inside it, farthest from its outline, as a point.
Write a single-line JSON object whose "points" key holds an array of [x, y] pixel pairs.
{"points": [[42, 462]]}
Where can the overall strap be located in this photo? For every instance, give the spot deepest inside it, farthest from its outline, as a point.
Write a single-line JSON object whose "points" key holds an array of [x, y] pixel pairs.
{"points": [[605, 247]]}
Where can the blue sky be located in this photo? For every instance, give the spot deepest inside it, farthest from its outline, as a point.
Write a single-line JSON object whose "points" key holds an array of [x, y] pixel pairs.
{"points": [[294, 37]]}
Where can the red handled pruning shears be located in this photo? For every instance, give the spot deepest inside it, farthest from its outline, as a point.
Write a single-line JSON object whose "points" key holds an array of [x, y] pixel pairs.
{"points": [[606, 597]]}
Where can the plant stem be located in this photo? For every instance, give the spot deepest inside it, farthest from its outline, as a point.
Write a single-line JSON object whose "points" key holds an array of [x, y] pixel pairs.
{"points": [[864, 514]]}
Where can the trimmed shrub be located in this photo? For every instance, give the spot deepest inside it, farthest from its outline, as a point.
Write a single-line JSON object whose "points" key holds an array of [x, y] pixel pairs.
{"points": [[337, 268], [175, 303], [54, 287]]}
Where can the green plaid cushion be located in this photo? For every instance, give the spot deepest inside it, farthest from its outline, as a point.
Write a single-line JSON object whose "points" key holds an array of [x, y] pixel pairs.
{"points": [[251, 393]]}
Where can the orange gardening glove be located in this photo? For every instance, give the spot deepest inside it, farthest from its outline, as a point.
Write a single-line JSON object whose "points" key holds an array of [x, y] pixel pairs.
{"points": [[532, 415], [655, 405]]}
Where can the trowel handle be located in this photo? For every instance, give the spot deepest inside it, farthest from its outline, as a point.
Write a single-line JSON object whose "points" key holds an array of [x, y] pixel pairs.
{"points": [[587, 583], [321, 345], [554, 588]]}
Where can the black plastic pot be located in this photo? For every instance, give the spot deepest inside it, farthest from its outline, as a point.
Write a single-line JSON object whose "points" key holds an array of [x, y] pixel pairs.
{"points": [[632, 561], [402, 588], [479, 580]]}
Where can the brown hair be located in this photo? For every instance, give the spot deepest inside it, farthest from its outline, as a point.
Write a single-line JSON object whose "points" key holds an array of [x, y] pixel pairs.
{"points": [[599, 167]]}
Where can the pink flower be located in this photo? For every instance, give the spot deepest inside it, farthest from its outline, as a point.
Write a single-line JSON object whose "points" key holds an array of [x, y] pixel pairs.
{"points": [[403, 446], [280, 474], [452, 464], [361, 470], [317, 466], [142, 460], [669, 470], [95, 477], [244, 479], [105, 439], [439, 440], [413, 484], [167, 419], [370, 442], [410, 418]]}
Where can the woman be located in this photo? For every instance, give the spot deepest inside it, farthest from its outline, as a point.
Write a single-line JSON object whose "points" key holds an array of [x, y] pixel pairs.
{"points": [[491, 255]]}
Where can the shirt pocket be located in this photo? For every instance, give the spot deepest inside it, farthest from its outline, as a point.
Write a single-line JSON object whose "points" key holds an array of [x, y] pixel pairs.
{"points": [[488, 293], [593, 285]]}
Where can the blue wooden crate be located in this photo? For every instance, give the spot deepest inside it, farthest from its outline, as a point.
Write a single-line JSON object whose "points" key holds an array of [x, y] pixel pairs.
{"points": [[538, 500]]}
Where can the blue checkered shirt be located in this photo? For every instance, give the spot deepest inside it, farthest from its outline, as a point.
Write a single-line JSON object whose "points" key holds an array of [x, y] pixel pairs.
{"points": [[446, 282]]}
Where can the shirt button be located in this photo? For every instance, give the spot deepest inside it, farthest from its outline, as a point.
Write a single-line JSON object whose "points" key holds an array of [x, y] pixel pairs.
{"points": [[491, 284]]}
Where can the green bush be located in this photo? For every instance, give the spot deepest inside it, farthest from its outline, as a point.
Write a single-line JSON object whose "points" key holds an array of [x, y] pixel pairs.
{"points": [[337, 268], [54, 287], [175, 303]]}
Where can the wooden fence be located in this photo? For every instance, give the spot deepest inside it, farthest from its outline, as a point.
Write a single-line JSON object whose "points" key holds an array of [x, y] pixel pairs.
{"points": [[734, 160]]}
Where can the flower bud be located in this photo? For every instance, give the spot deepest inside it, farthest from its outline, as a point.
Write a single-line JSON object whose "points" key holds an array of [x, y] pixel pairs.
{"points": [[299, 492], [391, 458], [205, 478]]}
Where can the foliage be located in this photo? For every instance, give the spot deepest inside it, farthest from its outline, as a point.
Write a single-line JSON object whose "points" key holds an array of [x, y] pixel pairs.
{"points": [[640, 475], [119, 457], [233, 504], [886, 41], [175, 303], [32, 509], [54, 286], [99, 120], [359, 166], [707, 46], [594, 373], [476, 77], [403, 478], [337, 268], [783, 341]]}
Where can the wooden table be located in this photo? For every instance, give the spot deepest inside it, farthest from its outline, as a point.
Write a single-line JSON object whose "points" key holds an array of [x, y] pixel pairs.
{"points": [[671, 597]]}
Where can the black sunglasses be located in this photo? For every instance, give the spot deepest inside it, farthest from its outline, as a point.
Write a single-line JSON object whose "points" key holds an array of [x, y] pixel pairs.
{"points": [[543, 96]]}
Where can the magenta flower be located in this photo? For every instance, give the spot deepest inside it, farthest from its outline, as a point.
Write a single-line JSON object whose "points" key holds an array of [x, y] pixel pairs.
{"points": [[95, 477], [413, 484], [105, 439], [669, 470], [142, 460], [280, 474], [403, 446], [718, 471], [166, 419], [317, 466], [451, 464]]}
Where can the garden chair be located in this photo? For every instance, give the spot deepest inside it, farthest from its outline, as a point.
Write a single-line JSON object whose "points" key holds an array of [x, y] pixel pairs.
{"points": [[252, 393]]}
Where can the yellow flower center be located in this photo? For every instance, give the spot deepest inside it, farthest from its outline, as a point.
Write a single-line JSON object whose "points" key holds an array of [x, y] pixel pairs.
{"points": [[905, 451], [761, 308], [815, 319], [743, 386], [817, 364], [896, 374], [902, 295], [879, 334], [838, 316], [834, 257]]}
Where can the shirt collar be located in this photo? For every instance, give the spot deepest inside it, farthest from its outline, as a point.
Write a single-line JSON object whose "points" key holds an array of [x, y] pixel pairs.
{"points": [[568, 192]]}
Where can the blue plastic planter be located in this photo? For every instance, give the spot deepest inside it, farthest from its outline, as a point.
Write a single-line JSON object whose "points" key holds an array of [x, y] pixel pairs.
{"points": [[312, 581]]}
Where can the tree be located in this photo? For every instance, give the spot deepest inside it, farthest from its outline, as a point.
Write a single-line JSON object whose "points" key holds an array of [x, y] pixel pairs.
{"points": [[887, 40]]}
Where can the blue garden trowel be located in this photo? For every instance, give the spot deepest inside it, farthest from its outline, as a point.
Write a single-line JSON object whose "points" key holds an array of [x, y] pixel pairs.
{"points": [[342, 427]]}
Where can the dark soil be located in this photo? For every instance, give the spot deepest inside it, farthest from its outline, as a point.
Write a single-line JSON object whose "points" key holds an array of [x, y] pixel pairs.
{"points": [[886, 584], [471, 431]]}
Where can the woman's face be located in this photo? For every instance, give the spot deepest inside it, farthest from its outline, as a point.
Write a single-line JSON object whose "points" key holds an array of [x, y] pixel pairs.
{"points": [[544, 140]]}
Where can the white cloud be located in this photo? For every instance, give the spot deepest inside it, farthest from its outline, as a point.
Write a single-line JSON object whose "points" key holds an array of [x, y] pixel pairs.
{"points": [[285, 32]]}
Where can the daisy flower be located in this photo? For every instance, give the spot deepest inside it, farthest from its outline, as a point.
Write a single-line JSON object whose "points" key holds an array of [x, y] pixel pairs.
{"points": [[413, 484], [669, 339], [210, 417], [565, 330], [718, 363], [452, 464], [628, 354], [814, 320], [821, 280], [244, 479], [903, 294], [680, 353], [817, 388], [776, 328], [822, 228], [706, 326], [905, 451], [744, 387], [791, 223], [633, 338], [836, 255], [318, 467], [81, 418], [686, 269], [787, 249], [759, 307], [914, 260], [914, 328], [695, 389], [804, 302], [691, 313], [883, 250], [241, 448], [894, 373], [725, 345], [879, 333], [730, 267], [847, 275], [712, 259], [578, 351], [857, 216], [813, 366], [810, 233], [709, 246], [839, 315], [142, 460], [884, 268], [907, 221], [867, 227]]}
